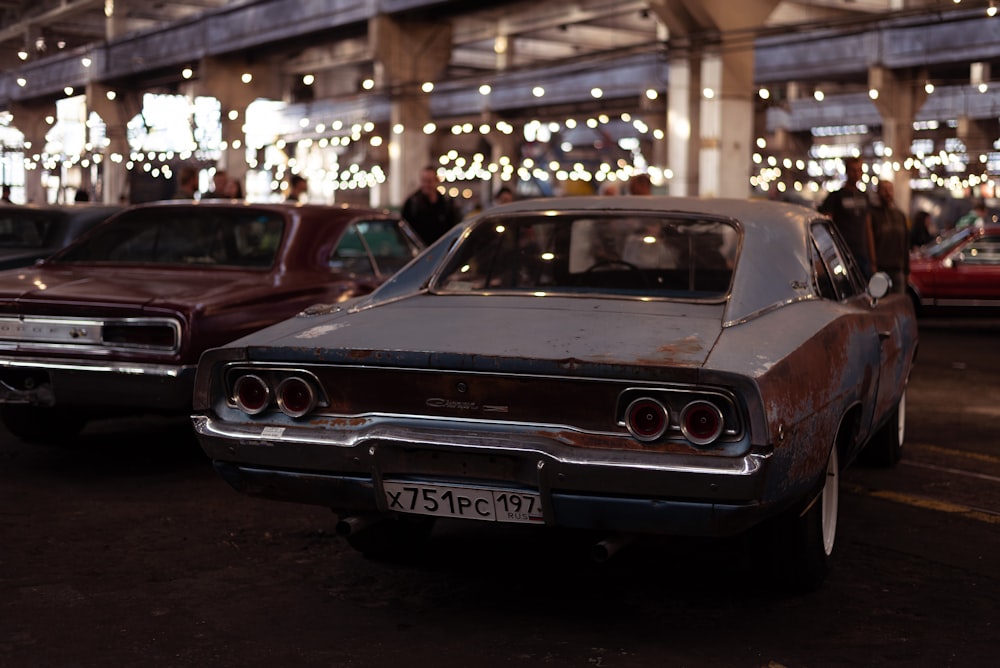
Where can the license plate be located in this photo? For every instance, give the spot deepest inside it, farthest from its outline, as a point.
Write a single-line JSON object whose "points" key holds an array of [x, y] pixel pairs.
{"points": [[471, 503]]}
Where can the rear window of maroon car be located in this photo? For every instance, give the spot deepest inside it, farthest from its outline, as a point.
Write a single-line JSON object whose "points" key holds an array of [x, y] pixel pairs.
{"points": [[642, 255], [182, 236]]}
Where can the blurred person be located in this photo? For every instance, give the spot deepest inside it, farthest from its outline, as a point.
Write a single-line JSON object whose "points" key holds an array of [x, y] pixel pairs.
{"points": [[503, 196], [6, 195], [219, 181], [609, 189], [297, 187], [924, 230], [975, 217], [640, 184], [848, 209], [430, 212], [232, 189], [891, 234], [187, 183]]}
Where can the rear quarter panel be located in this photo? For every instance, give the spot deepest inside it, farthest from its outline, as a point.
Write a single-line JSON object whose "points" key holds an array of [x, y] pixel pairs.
{"points": [[808, 364]]}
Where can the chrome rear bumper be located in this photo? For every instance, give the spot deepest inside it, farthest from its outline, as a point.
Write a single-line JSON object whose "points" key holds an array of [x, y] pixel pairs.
{"points": [[599, 489], [48, 381]]}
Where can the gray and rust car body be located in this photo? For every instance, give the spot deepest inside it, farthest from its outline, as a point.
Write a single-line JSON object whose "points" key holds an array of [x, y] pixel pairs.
{"points": [[115, 323], [527, 391]]}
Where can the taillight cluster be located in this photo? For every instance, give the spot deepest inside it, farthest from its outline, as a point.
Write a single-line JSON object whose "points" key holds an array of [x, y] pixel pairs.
{"points": [[294, 395], [648, 417]]}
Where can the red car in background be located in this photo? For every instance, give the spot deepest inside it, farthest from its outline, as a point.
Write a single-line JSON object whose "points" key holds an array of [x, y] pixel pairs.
{"points": [[961, 270], [115, 322]]}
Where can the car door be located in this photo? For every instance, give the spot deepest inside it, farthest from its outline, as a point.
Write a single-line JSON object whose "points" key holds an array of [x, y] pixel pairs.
{"points": [[874, 324]]}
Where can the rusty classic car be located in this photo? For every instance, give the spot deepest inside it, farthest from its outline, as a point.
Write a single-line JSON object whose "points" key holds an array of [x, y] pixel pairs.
{"points": [[116, 321], [634, 365]]}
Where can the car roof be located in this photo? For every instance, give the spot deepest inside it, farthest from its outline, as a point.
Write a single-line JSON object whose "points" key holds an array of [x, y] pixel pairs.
{"points": [[774, 264]]}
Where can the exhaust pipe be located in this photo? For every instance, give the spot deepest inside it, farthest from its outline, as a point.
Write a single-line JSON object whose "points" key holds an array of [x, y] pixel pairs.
{"points": [[349, 526], [610, 546]]}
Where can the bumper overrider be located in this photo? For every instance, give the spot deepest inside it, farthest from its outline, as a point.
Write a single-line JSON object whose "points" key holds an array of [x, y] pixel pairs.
{"points": [[387, 465], [41, 381]]}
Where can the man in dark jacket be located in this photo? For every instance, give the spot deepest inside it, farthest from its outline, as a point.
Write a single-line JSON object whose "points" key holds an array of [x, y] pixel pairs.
{"points": [[848, 208], [892, 236], [430, 212]]}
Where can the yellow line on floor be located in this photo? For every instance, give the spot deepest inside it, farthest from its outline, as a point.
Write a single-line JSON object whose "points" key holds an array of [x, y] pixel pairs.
{"points": [[965, 454], [928, 504]]}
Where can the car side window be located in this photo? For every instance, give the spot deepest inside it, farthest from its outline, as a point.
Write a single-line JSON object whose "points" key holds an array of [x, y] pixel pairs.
{"points": [[984, 251], [351, 254], [832, 270], [372, 248], [390, 248]]}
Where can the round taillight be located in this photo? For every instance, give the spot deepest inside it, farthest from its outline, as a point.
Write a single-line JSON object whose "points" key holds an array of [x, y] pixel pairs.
{"points": [[647, 419], [251, 394], [701, 422], [295, 397]]}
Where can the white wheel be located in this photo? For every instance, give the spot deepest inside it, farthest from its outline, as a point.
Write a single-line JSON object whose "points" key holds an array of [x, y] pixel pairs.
{"points": [[800, 544], [886, 446]]}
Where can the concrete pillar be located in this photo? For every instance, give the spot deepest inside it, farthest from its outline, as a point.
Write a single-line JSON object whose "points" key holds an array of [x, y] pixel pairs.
{"points": [[116, 111], [224, 80], [684, 122], [900, 96], [501, 145], [32, 121], [114, 22], [407, 54], [727, 122], [715, 40]]}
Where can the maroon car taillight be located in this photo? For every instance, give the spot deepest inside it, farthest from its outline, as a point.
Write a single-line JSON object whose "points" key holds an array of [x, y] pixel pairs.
{"points": [[296, 397], [647, 419], [251, 394], [701, 422]]}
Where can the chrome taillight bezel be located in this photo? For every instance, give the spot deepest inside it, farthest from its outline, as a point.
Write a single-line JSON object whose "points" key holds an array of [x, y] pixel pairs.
{"points": [[704, 407], [236, 395], [276, 379], [676, 399], [652, 408], [283, 403]]}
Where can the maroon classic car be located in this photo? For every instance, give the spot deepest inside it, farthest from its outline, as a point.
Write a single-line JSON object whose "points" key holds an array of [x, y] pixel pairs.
{"points": [[960, 270], [116, 321]]}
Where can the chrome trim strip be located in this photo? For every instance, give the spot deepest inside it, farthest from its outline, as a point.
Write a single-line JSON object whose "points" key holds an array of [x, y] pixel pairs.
{"points": [[50, 332], [125, 368]]}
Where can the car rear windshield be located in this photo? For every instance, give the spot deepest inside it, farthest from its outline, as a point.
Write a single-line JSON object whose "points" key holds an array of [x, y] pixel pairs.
{"points": [[184, 236], [24, 228], [642, 255]]}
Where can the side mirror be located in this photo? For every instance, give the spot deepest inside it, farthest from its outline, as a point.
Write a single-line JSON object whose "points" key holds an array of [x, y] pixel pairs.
{"points": [[879, 285]]}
